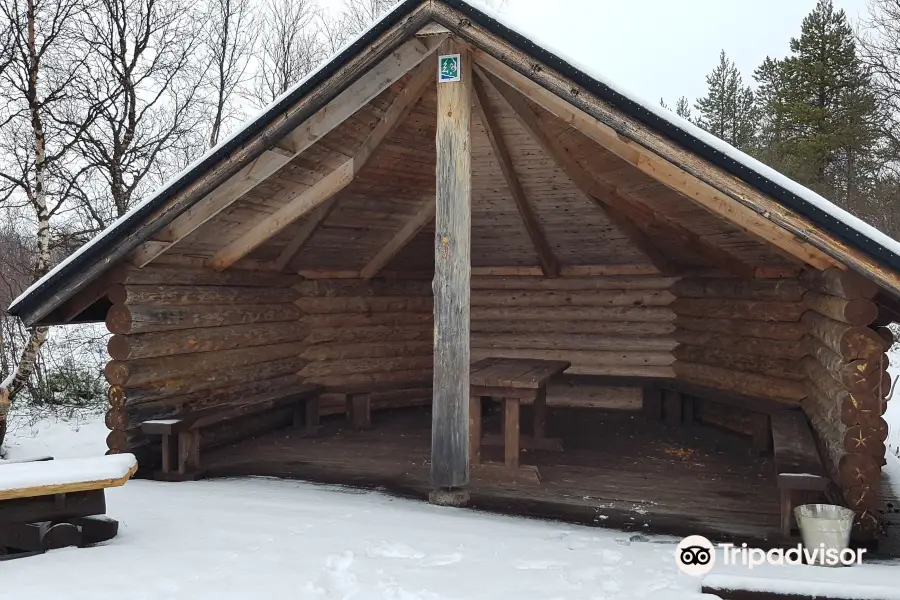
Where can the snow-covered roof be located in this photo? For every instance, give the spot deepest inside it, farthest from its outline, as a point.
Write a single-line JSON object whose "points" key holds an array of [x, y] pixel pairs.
{"points": [[852, 230]]}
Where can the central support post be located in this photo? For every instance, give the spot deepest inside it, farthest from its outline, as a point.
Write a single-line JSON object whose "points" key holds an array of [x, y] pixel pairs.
{"points": [[452, 271]]}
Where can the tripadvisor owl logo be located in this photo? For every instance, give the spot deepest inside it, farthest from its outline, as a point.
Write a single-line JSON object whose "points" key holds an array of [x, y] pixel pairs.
{"points": [[695, 555]]}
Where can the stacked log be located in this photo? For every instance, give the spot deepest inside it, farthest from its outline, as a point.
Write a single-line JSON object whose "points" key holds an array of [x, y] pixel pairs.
{"points": [[615, 326], [368, 332], [846, 377], [741, 336], [186, 338]]}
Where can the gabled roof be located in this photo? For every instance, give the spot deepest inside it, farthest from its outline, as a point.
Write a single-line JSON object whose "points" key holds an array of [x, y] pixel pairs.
{"points": [[880, 254]]}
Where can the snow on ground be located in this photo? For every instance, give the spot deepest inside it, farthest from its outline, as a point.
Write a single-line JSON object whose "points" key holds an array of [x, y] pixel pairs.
{"points": [[82, 436], [251, 538]]}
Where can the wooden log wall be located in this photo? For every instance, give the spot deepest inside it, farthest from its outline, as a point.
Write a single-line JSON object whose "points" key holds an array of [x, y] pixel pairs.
{"points": [[368, 332], [190, 338], [845, 370], [615, 326], [741, 336]]}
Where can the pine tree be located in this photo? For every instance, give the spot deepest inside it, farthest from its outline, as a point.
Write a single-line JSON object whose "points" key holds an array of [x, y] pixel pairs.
{"points": [[728, 110], [819, 109], [683, 108]]}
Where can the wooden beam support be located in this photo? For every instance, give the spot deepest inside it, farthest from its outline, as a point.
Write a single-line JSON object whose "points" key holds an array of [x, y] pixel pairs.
{"points": [[583, 180], [452, 284], [326, 188], [399, 241], [306, 231], [357, 95], [549, 263], [624, 210], [756, 216]]}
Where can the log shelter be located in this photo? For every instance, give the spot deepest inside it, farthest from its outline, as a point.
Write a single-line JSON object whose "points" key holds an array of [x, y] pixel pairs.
{"points": [[446, 190]]}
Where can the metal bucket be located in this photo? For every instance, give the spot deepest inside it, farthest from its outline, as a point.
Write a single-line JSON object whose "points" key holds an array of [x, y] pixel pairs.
{"points": [[824, 527]]}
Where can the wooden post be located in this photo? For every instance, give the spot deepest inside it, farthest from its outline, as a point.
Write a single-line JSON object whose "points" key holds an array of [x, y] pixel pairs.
{"points": [[452, 271]]}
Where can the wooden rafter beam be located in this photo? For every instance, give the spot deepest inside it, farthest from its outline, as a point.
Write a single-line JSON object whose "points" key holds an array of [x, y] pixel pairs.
{"points": [[584, 181], [325, 189], [306, 231], [357, 95], [616, 202], [756, 219], [399, 241], [549, 263]]}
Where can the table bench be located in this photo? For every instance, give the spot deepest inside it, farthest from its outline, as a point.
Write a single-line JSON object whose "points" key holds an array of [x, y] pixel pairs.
{"points": [[359, 398], [48, 504], [511, 380], [797, 462], [181, 434]]}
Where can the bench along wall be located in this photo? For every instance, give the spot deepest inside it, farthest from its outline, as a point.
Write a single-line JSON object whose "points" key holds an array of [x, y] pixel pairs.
{"points": [[846, 379], [612, 326], [368, 332], [191, 338]]}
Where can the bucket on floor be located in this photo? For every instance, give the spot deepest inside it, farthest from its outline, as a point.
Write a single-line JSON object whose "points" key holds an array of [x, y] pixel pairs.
{"points": [[824, 527]]}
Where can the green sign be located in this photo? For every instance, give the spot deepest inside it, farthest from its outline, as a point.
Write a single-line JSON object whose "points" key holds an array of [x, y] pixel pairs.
{"points": [[448, 68]]}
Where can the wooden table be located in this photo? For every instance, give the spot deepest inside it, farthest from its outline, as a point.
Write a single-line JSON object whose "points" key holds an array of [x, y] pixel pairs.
{"points": [[511, 380]]}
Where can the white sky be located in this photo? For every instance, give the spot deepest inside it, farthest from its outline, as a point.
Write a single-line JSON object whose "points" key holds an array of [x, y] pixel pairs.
{"points": [[665, 47]]}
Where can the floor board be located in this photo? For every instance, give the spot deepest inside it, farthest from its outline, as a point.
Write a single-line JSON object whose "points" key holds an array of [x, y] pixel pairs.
{"points": [[617, 470]]}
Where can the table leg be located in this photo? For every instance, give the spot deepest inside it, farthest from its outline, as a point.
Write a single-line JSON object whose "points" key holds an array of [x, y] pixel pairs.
{"points": [[540, 414], [511, 432], [474, 429]]}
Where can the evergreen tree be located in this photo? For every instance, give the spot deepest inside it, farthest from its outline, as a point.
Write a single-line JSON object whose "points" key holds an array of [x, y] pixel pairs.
{"points": [[819, 109], [683, 108], [728, 110]]}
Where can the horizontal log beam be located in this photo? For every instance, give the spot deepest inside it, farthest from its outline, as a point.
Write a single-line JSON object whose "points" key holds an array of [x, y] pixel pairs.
{"points": [[786, 290], [209, 339], [850, 342], [127, 319]]}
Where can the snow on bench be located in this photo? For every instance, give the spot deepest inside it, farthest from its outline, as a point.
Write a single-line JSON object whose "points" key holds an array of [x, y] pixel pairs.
{"points": [[27, 480], [869, 581]]}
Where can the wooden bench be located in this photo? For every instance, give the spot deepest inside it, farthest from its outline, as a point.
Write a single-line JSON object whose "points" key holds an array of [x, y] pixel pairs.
{"points": [[181, 435], [359, 399], [47, 504], [797, 462], [679, 402]]}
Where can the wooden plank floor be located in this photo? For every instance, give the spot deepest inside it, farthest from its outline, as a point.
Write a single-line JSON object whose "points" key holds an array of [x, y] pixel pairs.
{"points": [[617, 470]]}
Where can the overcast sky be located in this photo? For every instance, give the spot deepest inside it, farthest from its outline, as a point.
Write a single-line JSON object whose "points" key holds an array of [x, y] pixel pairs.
{"points": [[665, 47]]}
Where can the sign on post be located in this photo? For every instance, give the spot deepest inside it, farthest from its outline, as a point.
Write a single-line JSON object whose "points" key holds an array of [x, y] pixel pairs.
{"points": [[448, 68]]}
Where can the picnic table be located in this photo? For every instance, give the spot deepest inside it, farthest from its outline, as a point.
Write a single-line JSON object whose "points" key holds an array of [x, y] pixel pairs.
{"points": [[47, 504], [511, 380]]}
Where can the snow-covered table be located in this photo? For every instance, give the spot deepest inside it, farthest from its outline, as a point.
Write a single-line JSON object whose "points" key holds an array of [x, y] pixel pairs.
{"points": [[56, 503]]}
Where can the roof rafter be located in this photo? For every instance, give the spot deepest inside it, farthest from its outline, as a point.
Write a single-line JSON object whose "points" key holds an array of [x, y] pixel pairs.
{"points": [[579, 176], [549, 263], [357, 95], [658, 167], [400, 240], [623, 209], [326, 188]]}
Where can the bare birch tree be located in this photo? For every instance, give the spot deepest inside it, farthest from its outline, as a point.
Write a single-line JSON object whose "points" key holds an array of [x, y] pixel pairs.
{"points": [[291, 46], [41, 123], [142, 65], [228, 40]]}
